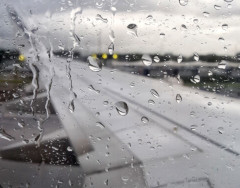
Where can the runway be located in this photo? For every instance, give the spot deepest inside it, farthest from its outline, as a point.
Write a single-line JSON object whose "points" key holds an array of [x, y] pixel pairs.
{"points": [[194, 139]]}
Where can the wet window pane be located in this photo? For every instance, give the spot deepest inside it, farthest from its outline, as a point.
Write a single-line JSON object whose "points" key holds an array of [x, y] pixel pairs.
{"points": [[119, 93]]}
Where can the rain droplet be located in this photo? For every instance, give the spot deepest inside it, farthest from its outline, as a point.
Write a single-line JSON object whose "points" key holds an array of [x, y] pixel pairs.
{"points": [[106, 182], [222, 65], [224, 26], [196, 57], [210, 73], [132, 29], [228, 1], [193, 127], [144, 119], [37, 138], [206, 14], [221, 39], [5, 135], [93, 89], [71, 106], [154, 93], [114, 9], [156, 59], [100, 3], [178, 98], [122, 108], [99, 17], [125, 178], [132, 26], [217, 7], [209, 103], [183, 27], [100, 125], [132, 84], [220, 130], [105, 103], [21, 124], [162, 35], [183, 2], [111, 48], [195, 21], [150, 101], [69, 149], [192, 114], [147, 60], [196, 79], [180, 58], [149, 17], [15, 95], [94, 64]]}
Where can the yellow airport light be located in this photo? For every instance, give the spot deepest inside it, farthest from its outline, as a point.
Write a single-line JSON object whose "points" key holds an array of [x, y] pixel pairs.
{"points": [[115, 56], [104, 56], [21, 57]]}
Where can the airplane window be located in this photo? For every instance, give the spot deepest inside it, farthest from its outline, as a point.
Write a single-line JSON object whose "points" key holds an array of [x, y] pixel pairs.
{"points": [[120, 93]]}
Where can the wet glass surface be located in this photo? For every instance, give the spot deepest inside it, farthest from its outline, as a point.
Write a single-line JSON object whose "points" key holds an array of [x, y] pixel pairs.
{"points": [[110, 93]]}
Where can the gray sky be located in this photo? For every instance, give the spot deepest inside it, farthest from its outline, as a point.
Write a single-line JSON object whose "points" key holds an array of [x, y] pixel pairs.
{"points": [[182, 33]]}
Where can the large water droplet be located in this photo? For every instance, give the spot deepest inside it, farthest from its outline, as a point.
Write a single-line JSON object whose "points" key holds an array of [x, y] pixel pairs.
{"points": [[122, 108], [183, 2], [94, 64], [147, 60], [178, 98], [154, 93], [144, 119], [180, 58]]}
